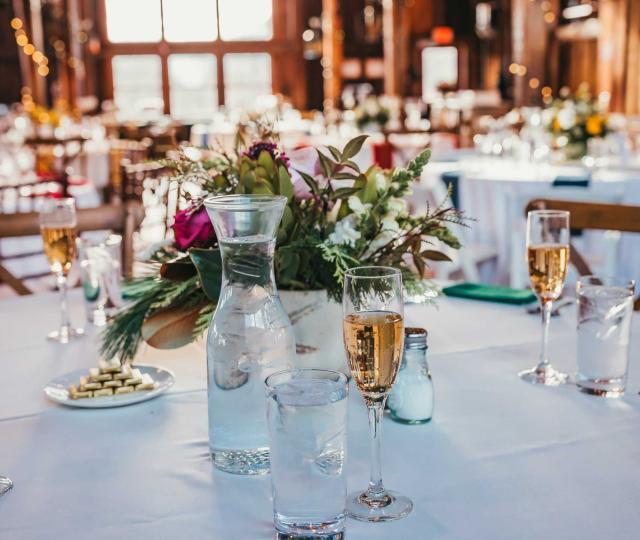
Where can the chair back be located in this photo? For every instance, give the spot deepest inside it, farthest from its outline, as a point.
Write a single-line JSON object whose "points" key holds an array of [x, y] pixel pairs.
{"points": [[123, 219]]}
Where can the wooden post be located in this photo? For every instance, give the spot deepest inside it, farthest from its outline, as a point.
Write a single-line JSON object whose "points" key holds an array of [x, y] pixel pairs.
{"points": [[332, 37], [395, 31], [37, 38]]}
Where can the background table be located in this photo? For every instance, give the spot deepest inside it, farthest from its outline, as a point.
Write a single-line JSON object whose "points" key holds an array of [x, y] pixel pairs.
{"points": [[501, 459]]}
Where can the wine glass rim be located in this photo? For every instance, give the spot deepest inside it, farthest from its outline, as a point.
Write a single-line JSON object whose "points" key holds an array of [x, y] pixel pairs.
{"points": [[549, 213], [240, 201], [383, 272]]}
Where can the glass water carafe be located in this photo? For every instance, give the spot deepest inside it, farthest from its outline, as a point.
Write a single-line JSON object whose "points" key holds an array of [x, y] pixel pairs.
{"points": [[250, 335]]}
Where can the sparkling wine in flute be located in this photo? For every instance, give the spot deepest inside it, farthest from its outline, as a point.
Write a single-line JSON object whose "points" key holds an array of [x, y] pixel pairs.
{"points": [[373, 341], [548, 265], [59, 247]]}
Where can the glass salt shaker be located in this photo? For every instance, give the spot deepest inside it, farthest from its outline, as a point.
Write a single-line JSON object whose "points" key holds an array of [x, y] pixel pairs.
{"points": [[411, 398]]}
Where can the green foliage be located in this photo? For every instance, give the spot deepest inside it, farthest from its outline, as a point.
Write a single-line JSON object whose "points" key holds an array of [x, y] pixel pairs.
{"points": [[348, 218]]}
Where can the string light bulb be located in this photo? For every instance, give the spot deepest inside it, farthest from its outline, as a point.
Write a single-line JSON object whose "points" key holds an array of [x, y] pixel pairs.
{"points": [[16, 23], [29, 49], [22, 40], [43, 71]]}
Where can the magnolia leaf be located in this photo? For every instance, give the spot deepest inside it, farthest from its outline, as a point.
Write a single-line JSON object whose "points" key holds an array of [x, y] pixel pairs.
{"points": [[353, 146], [310, 181], [209, 266], [178, 270], [265, 160], [285, 187], [335, 153], [433, 255], [171, 328], [325, 164]]}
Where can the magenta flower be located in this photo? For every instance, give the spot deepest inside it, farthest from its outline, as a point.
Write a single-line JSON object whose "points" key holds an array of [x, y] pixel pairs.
{"points": [[192, 228]]}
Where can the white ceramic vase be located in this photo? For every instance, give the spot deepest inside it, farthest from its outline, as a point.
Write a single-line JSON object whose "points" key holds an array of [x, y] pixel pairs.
{"points": [[317, 327]]}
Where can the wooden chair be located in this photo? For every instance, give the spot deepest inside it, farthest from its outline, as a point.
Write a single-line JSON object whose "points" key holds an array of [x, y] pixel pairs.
{"points": [[593, 216], [123, 219], [122, 150], [150, 184]]}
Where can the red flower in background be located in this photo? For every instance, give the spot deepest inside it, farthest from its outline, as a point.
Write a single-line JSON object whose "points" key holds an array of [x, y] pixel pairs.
{"points": [[192, 228]]}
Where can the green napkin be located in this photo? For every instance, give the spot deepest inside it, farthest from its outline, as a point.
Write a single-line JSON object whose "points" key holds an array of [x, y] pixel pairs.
{"points": [[490, 293]]}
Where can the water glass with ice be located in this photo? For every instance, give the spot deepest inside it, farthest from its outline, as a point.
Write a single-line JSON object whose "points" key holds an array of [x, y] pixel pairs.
{"points": [[605, 306], [307, 420]]}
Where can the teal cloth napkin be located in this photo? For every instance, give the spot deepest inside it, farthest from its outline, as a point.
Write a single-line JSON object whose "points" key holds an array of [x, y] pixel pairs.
{"points": [[490, 293]]}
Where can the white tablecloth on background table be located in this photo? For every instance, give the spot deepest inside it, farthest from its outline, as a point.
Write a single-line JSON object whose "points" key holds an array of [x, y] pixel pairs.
{"points": [[495, 192], [501, 459]]}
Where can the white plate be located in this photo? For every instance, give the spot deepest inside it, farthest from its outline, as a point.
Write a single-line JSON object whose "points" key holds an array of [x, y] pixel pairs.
{"points": [[57, 389]]}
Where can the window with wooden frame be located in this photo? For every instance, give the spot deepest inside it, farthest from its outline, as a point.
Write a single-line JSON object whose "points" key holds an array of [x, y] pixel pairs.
{"points": [[189, 57]]}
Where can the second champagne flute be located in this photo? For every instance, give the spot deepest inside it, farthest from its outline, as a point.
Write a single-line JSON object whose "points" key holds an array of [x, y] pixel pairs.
{"points": [[58, 229], [548, 261], [373, 335]]}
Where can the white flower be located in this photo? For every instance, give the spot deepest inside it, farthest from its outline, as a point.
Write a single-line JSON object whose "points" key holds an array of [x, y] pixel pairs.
{"points": [[567, 117], [345, 232], [382, 239], [397, 205], [380, 180], [359, 208], [389, 223]]}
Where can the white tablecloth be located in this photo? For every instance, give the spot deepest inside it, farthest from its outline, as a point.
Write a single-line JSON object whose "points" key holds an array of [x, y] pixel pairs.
{"points": [[496, 191], [501, 459]]}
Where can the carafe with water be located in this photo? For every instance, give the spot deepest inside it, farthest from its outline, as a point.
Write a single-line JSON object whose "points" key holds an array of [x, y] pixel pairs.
{"points": [[250, 335]]}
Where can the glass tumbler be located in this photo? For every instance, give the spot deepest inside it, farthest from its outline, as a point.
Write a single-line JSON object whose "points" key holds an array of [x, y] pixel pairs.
{"points": [[307, 419], [605, 306]]}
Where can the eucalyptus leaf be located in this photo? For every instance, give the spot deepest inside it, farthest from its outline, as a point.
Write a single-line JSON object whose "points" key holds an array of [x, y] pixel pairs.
{"points": [[353, 146], [335, 153], [433, 255], [325, 164], [343, 193], [310, 181]]}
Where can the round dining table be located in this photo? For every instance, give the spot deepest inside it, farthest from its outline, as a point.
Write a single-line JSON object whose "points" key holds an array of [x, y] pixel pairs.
{"points": [[501, 459]]}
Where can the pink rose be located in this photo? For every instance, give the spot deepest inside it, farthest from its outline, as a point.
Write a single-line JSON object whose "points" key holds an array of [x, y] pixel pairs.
{"points": [[192, 228]]}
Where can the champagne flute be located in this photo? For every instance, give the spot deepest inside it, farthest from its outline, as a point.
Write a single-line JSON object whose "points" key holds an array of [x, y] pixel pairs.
{"points": [[548, 261], [5, 484], [373, 336], [58, 229]]}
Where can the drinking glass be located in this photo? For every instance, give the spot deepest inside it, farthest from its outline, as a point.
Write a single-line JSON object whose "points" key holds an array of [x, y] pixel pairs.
{"points": [[100, 272], [5, 484], [373, 335], [548, 261], [58, 229], [307, 420], [605, 306]]}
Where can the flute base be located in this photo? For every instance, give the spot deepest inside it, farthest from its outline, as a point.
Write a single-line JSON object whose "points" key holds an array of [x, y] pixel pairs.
{"points": [[389, 507], [544, 374], [65, 335]]}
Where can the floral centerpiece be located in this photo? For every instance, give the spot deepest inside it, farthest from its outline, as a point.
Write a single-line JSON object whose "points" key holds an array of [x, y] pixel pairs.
{"points": [[372, 112], [573, 119], [336, 217]]}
